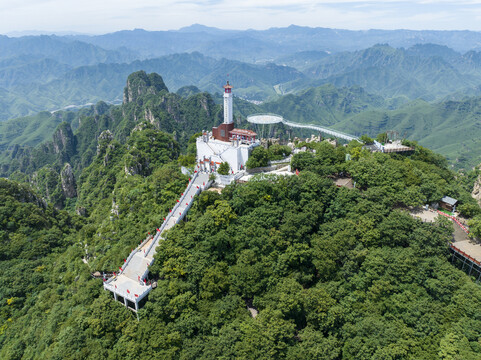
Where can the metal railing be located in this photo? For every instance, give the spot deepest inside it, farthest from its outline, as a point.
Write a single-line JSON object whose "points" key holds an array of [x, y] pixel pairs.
{"points": [[279, 119], [137, 297], [171, 214]]}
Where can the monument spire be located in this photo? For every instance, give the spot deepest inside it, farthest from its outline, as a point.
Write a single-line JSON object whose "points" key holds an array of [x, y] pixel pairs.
{"points": [[228, 117]]}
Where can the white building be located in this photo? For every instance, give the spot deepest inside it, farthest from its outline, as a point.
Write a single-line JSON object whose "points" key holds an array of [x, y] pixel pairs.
{"points": [[225, 143]]}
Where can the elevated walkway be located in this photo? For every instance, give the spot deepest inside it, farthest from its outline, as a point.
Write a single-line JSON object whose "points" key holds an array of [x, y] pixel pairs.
{"points": [[466, 252], [267, 119], [130, 286]]}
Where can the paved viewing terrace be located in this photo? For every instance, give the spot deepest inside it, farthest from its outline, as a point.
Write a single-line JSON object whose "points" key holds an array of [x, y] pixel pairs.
{"points": [[130, 286]]}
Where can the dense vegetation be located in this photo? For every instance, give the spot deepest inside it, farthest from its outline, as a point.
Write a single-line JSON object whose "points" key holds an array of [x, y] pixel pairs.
{"points": [[333, 272], [281, 267], [261, 156]]}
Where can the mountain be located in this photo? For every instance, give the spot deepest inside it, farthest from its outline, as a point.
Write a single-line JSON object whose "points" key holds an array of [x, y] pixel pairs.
{"points": [[89, 84], [35, 82], [72, 53], [286, 267], [450, 127], [429, 72], [32, 130], [430, 50], [390, 72], [326, 104], [28, 63], [27, 69], [33, 154]]}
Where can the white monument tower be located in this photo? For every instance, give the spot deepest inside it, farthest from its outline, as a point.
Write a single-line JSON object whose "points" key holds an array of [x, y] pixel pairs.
{"points": [[225, 144], [228, 118]]}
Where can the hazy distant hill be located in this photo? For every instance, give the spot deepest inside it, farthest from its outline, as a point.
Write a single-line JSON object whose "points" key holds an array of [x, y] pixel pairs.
{"points": [[50, 72], [451, 128], [27, 69], [418, 72], [61, 49], [105, 81], [266, 45]]}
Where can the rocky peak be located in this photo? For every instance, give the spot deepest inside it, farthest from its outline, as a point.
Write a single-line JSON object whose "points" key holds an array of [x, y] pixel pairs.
{"points": [[101, 108], [68, 181], [477, 190], [104, 139], [63, 140], [140, 84]]}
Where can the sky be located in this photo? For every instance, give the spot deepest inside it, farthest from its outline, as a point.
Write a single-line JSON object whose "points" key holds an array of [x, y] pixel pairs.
{"points": [[103, 16]]}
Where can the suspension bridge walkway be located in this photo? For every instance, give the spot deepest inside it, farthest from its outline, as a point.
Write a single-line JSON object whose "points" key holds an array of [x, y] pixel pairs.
{"points": [[466, 251], [130, 285], [268, 119]]}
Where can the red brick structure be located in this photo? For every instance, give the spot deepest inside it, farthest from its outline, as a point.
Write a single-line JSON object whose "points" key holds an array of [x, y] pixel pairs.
{"points": [[222, 132], [226, 132]]}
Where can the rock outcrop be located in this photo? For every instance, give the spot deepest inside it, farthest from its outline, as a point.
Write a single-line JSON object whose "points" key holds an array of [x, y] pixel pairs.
{"points": [[104, 139], [69, 186], [476, 193], [64, 140]]}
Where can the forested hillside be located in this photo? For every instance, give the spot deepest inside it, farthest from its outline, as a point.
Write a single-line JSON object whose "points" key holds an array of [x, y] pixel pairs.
{"points": [[449, 127], [55, 167], [429, 72], [332, 273]]}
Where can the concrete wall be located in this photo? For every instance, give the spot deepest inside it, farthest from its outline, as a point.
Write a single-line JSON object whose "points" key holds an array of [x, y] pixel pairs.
{"points": [[219, 152]]}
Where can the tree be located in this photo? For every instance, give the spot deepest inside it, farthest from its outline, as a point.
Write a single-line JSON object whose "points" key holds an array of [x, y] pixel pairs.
{"points": [[366, 139], [259, 157], [224, 168], [382, 137]]}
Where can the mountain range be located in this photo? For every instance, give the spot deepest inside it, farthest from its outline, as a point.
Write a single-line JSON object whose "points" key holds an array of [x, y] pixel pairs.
{"points": [[49, 72], [267, 45], [420, 83], [430, 72]]}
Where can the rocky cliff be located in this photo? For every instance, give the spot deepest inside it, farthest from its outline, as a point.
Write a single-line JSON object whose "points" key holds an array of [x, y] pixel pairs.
{"points": [[63, 140], [476, 193], [140, 84], [69, 186]]}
